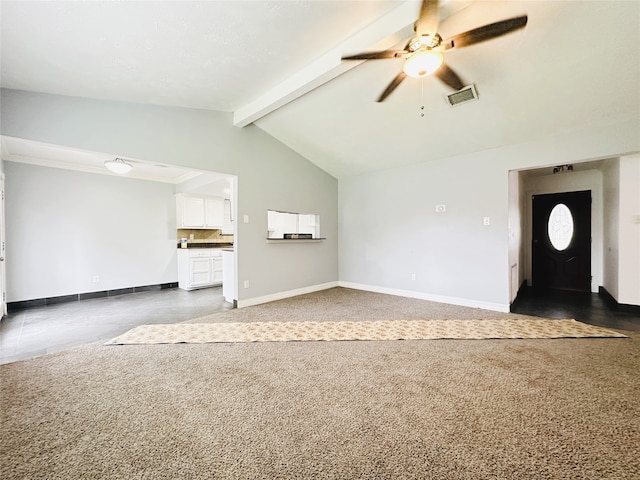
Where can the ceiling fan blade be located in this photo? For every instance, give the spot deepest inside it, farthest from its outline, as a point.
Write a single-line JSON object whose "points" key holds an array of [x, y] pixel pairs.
{"points": [[376, 55], [392, 86], [428, 20], [484, 33], [448, 76]]}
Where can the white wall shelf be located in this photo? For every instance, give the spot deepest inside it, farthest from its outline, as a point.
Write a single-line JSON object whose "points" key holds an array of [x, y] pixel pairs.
{"points": [[295, 240]]}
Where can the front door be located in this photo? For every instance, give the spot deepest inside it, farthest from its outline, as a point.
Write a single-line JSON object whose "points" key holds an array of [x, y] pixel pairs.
{"points": [[561, 249]]}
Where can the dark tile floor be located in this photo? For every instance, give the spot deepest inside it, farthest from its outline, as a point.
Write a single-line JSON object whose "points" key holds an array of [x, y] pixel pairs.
{"points": [[591, 308], [40, 330]]}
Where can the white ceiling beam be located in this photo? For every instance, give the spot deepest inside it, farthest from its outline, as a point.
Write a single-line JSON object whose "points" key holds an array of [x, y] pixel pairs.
{"points": [[329, 66]]}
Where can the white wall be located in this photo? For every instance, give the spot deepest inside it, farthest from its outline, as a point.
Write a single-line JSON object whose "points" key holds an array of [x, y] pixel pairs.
{"points": [[270, 175], [65, 227], [389, 228], [516, 222], [621, 186], [3, 279], [629, 236]]}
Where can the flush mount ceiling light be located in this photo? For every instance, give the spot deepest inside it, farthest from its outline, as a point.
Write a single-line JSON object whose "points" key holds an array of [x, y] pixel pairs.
{"points": [[118, 166]]}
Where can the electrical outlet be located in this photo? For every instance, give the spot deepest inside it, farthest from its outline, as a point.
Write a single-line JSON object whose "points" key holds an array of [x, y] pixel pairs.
{"points": [[486, 221], [413, 276], [246, 284], [96, 279]]}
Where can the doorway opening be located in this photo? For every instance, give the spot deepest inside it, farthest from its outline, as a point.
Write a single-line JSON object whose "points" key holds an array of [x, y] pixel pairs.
{"points": [[3, 291], [111, 236]]}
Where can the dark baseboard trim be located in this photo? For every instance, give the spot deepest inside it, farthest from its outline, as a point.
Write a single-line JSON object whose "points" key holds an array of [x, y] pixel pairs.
{"points": [[76, 297], [622, 307]]}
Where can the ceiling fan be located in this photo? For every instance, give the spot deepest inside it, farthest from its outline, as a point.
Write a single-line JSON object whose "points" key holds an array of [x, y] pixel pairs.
{"points": [[423, 53]]}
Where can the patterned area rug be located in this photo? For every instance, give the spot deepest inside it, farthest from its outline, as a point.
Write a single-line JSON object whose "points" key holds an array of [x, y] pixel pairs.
{"points": [[373, 330]]}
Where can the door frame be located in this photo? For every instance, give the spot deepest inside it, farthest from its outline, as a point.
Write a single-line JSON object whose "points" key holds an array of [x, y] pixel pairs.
{"points": [[3, 275], [565, 183]]}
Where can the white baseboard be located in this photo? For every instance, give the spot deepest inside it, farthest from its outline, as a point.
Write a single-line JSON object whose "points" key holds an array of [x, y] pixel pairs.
{"points": [[497, 307], [282, 295], [463, 302]]}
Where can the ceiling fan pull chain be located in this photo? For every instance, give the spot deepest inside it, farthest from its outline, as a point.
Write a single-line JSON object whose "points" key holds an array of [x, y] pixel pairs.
{"points": [[422, 106]]}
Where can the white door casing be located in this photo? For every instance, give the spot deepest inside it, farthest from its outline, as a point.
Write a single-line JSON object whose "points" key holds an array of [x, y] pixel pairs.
{"points": [[3, 290]]}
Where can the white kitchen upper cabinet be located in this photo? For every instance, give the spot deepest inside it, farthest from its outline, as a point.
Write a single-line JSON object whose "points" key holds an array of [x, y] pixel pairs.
{"points": [[290, 223], [214, 211], [199, 212], [190, 212], [307, 224], [280, 224]]}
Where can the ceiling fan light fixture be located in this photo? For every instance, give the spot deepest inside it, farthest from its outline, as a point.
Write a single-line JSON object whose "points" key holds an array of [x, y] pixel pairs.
{"points": [[118, 166], [422, 63]]}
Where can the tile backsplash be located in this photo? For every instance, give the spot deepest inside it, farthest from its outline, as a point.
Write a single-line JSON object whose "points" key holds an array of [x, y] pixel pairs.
{"points": [[203, 236]]}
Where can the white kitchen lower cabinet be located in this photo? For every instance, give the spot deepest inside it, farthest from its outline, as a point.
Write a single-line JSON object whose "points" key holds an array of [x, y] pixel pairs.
{"points": [[217, 269], [199, 267]]}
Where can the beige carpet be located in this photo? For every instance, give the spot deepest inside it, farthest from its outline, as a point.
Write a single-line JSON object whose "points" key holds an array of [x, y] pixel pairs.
{"points": [[360, 330], [448, 410]]}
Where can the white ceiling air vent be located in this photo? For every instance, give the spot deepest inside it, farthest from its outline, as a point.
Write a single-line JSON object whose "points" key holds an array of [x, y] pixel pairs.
{"points": [[464, 95]]}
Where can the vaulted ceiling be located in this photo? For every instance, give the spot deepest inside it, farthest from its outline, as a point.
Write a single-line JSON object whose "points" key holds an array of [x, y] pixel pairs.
{"points": [[277, 64]]}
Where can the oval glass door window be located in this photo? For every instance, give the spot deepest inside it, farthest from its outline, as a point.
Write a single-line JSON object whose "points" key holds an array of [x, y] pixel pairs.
{"points": [[560, 227]]}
